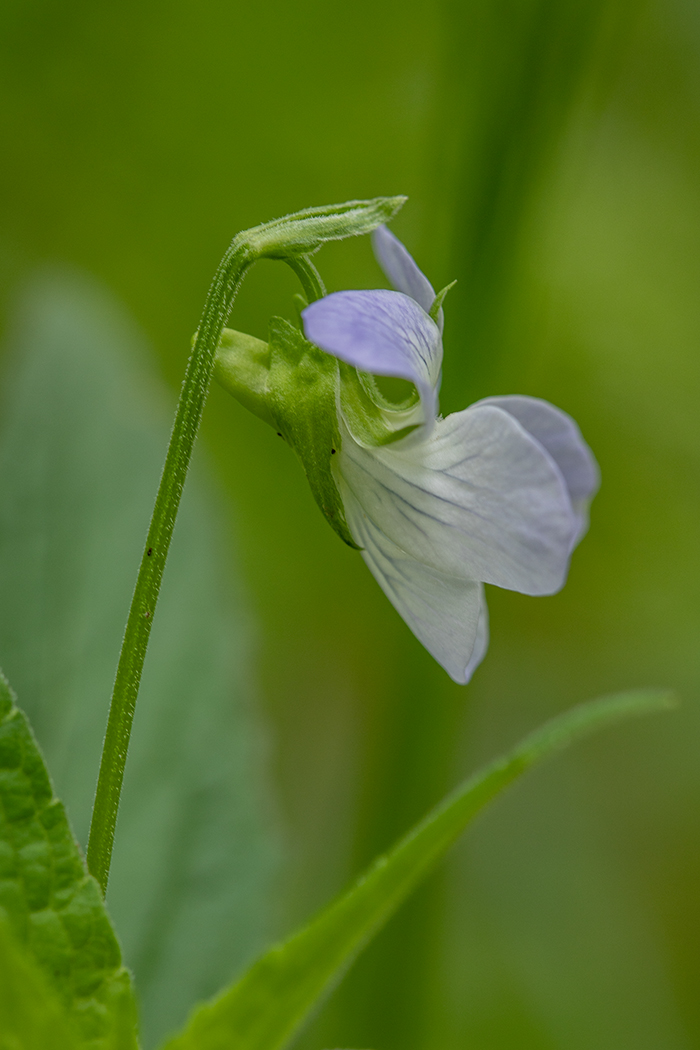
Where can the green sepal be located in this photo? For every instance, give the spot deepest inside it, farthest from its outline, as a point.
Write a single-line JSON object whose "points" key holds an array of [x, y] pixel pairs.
{"points": [[293, 386], [302, 400], [367, 412], [439, 300]]}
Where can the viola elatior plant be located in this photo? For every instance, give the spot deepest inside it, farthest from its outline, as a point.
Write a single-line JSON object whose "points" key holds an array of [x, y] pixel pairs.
{"points": [[497, 493]]}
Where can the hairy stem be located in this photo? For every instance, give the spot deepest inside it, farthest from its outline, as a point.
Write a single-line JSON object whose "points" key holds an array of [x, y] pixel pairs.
{"points": [[293, 239], [224, 288]]}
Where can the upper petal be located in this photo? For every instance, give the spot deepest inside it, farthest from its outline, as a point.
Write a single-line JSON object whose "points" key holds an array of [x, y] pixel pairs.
{"points": [[447, 615], [401, 270], [480, 500], [561, 437], [386, 333]]}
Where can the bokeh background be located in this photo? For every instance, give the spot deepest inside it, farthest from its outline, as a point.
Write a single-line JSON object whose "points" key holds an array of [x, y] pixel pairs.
{"points": [[551, 153]]}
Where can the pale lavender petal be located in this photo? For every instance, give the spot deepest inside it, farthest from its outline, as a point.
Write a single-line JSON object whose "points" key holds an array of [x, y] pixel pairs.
{"points": [[561, 437], [481, 642], [447, 615], [382, 332], [480, 500], [401, 270]]}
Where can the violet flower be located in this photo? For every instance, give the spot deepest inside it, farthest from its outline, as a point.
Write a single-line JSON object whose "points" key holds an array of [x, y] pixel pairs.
{"points": [[497, 493]]}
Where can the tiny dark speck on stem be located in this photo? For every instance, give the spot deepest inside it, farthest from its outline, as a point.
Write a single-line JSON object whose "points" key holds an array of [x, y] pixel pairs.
{"points": [[278, 434], [149, 552], [332, 452]]}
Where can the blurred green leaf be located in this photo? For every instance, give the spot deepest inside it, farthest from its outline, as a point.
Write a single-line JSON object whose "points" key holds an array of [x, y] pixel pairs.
{"points": [[53, 906], [265, 1008], [518, 71], [82, 443]]}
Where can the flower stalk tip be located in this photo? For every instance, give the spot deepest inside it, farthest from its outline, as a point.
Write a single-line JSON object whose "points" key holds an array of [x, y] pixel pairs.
{"points": [[303, 232]]}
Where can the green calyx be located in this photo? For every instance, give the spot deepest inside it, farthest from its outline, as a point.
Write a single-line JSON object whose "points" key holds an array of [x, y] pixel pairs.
{"points": [[298, 390], [292, 385], [289, 382]]}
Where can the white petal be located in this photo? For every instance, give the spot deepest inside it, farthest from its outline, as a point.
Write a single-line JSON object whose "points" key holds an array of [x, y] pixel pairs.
{"points": [[447, 615], [481, 643], [561, 437], [480, 499], [401, 270]]}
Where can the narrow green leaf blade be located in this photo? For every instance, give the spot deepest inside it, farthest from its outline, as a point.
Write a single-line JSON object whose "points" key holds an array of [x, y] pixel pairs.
{"points": [[264, 1009], [53, 907]]}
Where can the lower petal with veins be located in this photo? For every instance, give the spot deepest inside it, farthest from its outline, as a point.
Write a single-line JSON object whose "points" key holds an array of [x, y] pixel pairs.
{"points": [[480, 499], [560, 436], [446, 614]]}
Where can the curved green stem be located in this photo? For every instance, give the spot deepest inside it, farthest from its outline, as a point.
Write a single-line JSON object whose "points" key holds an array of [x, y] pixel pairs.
{"points": [[224, 288], [309, 276], [291, 238]]}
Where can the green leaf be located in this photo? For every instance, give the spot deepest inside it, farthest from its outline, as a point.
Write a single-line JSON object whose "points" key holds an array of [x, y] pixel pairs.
{"points": [[52, 905], [264, 1009], [84, 428], [31, 1014]]}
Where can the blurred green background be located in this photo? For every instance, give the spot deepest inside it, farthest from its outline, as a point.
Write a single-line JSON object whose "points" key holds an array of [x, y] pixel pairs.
{"points": [[551, 153]]}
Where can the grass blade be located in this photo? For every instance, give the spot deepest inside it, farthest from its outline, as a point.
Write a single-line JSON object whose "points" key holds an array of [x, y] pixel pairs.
{"points": [[264, 1009]]}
